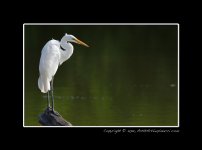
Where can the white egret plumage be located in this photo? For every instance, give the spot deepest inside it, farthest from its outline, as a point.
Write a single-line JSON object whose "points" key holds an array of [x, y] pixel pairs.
{"points": [[53, 54]]}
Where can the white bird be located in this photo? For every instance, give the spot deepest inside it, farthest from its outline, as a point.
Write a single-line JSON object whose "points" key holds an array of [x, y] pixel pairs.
{"points": [[53, 54]]}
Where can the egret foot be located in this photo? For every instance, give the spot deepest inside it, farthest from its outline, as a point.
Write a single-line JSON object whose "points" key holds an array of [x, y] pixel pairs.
{"points": [[55, 113], [50, 111]]}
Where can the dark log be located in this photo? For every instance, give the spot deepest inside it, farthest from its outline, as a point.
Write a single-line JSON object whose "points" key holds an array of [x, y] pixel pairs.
{"points": [[48, 118]]}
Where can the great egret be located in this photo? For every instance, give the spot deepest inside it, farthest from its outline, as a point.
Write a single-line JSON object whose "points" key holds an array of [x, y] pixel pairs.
{"points": [[53, 54]]}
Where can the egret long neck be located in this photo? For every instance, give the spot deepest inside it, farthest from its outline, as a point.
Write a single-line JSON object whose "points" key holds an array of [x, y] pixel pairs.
{"points": [[66, 52]]}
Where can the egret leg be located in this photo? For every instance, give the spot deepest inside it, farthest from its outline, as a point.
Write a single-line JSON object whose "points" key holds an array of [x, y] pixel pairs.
{"points": [[54, 112], [48, 100], [52, 94]]}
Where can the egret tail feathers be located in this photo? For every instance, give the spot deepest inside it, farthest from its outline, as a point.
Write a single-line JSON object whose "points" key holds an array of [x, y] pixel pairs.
{"points": [[43, 84]]}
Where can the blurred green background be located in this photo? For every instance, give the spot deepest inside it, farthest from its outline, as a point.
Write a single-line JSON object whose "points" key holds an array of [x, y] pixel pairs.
{"points": [[127, 77]]}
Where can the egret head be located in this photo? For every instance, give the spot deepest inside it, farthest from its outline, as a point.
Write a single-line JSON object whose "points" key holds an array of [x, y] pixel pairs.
{"points": [[71, 38]]}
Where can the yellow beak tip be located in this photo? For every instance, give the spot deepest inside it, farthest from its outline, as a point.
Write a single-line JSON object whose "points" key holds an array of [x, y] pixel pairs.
{"points": [[81, 43]]}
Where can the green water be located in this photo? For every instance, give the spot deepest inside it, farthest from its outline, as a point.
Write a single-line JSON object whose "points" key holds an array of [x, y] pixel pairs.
{"points": [[127, 77]]}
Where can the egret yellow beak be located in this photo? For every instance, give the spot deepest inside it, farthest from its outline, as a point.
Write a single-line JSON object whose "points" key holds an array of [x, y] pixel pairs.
{"points": [[81, 43]]}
